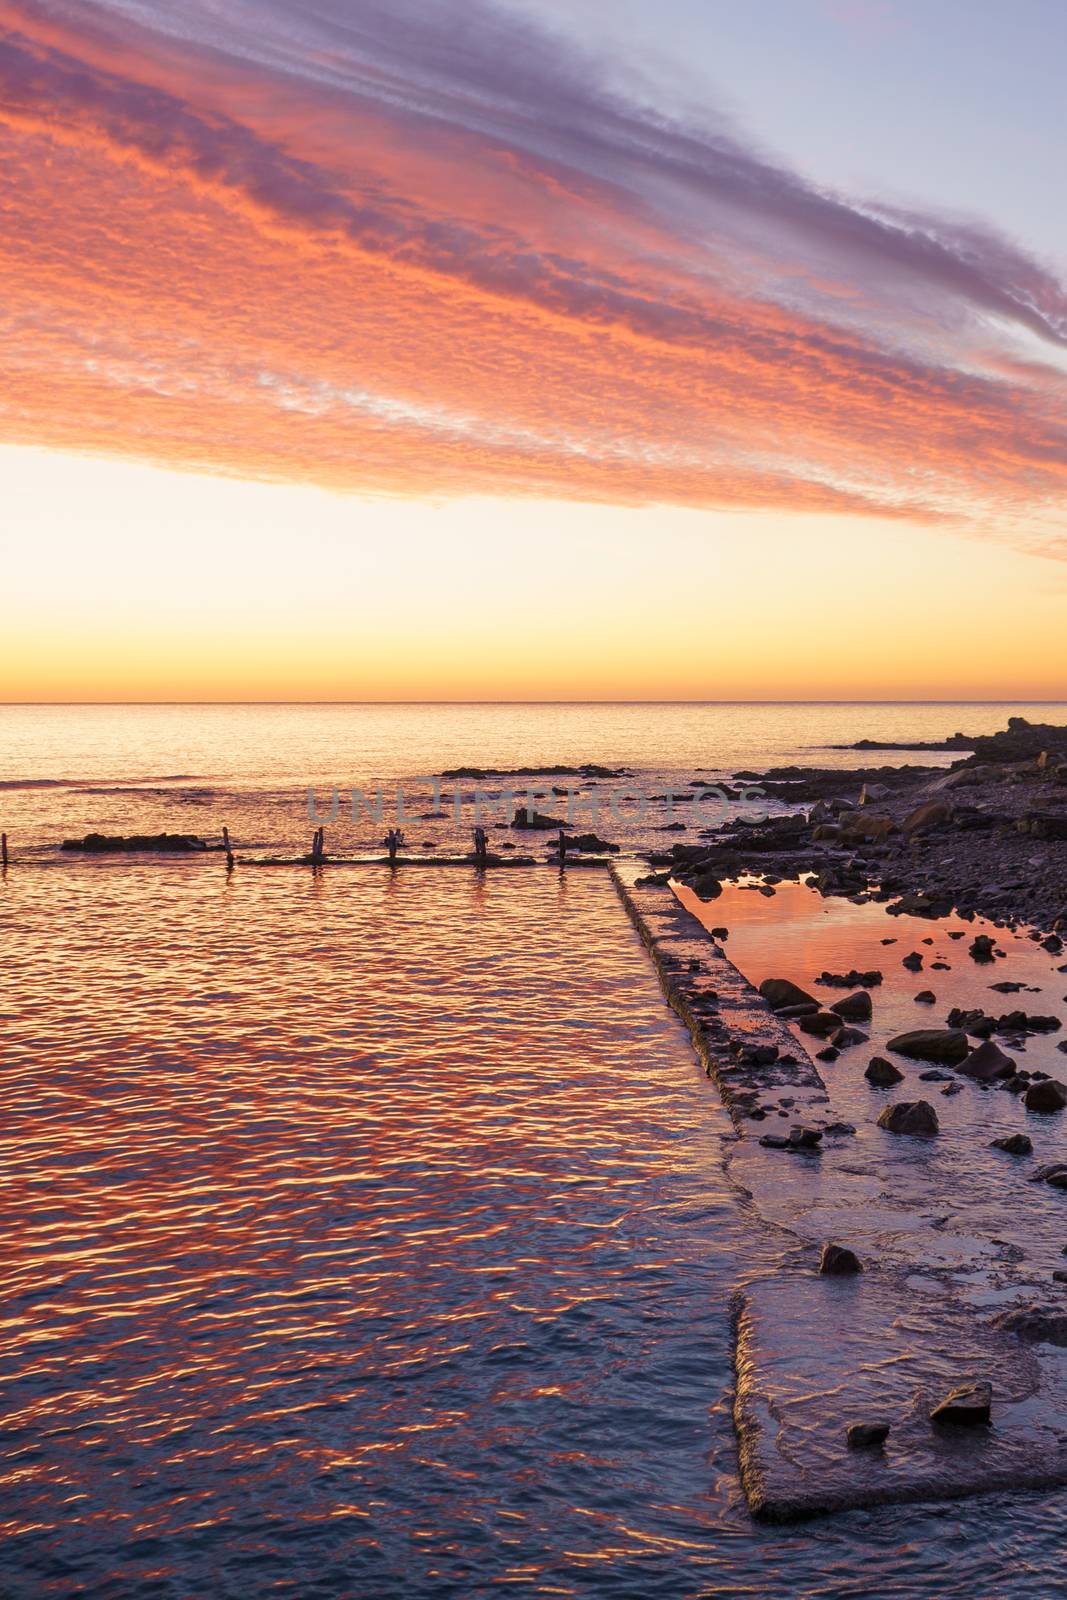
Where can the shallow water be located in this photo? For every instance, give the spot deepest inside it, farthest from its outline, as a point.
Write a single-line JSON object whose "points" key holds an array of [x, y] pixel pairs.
{"points": [[69, 770], [370, 1235]]}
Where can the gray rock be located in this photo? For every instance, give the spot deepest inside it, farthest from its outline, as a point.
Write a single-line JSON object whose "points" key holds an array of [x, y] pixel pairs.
{"points": [[1046, 1097], [780, 992], [915, 1117], [854, 1007], [1016, 1144], [882, 1073], [932, 1044]]}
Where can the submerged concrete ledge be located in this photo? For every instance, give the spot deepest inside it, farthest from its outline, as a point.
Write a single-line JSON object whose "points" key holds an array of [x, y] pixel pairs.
{"points": [[815, 1354], [758, 1066]]}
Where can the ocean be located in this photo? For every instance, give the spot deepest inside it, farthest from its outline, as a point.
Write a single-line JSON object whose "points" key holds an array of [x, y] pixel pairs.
{"points": [[375, 1235]]}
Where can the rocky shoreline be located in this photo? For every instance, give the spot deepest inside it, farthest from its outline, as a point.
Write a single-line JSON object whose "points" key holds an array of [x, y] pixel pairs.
{"points": [[986, 836]]}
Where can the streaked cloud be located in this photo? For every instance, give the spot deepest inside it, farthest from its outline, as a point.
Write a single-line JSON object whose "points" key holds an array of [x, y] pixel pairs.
{"points": [[421, 247]]}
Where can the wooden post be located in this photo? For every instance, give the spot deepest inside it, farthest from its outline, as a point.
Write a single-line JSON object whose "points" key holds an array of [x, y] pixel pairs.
{"points": [[318, 847], [229, 852], [3, 851]]}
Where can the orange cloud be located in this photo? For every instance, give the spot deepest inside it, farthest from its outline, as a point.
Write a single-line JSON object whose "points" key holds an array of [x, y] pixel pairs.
{"points": [[414, 261]]}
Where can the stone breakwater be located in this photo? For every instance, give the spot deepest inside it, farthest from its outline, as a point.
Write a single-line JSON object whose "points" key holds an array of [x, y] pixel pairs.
{"points": [[751, 1054]]}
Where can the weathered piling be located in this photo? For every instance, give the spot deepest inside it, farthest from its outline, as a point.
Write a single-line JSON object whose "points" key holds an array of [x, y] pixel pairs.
{"points": [[3, 851], [229, 852]]}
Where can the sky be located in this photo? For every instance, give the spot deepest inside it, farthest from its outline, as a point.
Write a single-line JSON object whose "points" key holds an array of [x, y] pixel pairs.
{"points": [[438, 349]]}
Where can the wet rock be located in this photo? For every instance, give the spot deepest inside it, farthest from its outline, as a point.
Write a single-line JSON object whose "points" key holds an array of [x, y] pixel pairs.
{"points": [[867, 1435], [1053, 944], [854, 1007], [953, 1088], [822, 1024], [1046, 1097], [849, 1037], [926, 997], [1053, 1173], [839, 1130], [932, 1044], [935, 1075], [1007, 986], [1016, 1144], [913, 962], [966, 1407], [590, 844], [916, 1118], [850, 980], [838, 1261], [706, 886], [525, 818], [829, 1053], [982, 947], [931, 814], [779, 992], [1035, 1324], [804, 1009], [986, 1063], [111, 844], [801, 1138], [882, 1073], [1025, 1022]]}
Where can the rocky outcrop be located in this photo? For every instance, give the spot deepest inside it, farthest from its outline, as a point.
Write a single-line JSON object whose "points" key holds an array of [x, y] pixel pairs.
{"points": [[107, 844]]}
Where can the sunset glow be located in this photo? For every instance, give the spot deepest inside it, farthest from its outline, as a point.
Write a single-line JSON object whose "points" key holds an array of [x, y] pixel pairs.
{"points": [[495, 311]]}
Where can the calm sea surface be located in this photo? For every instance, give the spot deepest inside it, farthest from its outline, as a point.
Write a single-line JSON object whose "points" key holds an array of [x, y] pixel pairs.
{"points": [[370, 1235]]}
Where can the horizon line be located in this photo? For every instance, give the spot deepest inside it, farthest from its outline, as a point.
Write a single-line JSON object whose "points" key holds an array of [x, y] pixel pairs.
{"points": [[204, 704]]}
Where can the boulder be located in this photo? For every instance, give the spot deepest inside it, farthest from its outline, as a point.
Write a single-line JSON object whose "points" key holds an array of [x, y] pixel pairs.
{"points": [[706, 886], [854, 1007], [1046, 1097], [822, 1024], [913, 962], [986, 1063], [931, 814], [965, 1407], [779, 993], [932, 1044], [1016, 1144], [882, 1073], [914, 1117], [926, 997], [982, 947], [837, 1261]]}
